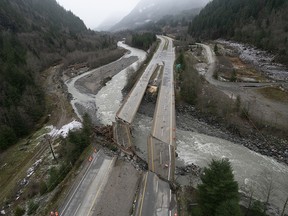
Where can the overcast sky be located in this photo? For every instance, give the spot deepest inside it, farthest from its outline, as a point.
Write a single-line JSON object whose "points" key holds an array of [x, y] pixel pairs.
{"points": [[94, 12]]}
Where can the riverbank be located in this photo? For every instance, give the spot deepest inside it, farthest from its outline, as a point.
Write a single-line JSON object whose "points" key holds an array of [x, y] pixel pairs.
{"points": [[94, 81], [189, 119]]}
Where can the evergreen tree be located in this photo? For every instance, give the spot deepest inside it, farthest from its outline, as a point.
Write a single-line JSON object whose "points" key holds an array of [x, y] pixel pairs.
{"points": [[262, 23], [218, 188], [228, 208]]}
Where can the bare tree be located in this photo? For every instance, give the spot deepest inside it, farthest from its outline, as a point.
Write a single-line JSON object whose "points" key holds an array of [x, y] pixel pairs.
{"points": [[267, 187], [251, 191], [270, 187], [284, 207]]}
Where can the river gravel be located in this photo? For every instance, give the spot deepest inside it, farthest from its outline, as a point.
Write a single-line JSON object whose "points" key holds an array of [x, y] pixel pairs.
{"points": [[263, 60], [199, 142]]}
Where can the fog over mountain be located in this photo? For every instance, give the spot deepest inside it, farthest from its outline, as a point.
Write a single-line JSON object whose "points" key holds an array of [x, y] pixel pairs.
{"points": [[108, 23], [153, 10]]}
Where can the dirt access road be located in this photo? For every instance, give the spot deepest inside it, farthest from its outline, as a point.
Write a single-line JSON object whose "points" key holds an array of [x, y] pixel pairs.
{"points": [[264, 109]]}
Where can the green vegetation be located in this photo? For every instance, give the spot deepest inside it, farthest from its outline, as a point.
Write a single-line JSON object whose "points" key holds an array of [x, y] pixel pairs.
{"points": [[35, 35], [77, 141], [259, 22], [143, 41], [32, 207], [180, 61], [189, 80], [55, 16], [216, 49], [19, 211], [233, 77], [274, 93], [133, 76], [218, 193], [210, 103], [228, 208], [22, 101], [71, 149]]}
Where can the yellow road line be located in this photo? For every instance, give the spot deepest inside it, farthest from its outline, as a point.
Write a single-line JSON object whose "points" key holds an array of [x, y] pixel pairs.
{"points": [[143, 194], [152, 155], [128, 133], [149, 153]]}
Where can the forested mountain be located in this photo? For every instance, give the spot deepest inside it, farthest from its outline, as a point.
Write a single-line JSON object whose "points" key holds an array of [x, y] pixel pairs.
{"points": [[263, 23], [33, 35], [153, 10]]}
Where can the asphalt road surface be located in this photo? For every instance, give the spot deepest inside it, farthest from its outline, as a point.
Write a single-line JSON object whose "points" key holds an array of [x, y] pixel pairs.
{"points": [[161, 143], [161, 158], [262, 108], [164, 117], [87, 191], [155, 197], [132, 102], [122, 134]]}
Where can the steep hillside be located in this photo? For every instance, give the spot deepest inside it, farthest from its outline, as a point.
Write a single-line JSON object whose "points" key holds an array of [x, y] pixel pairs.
{"points": [[153, 10], [35, 34], [263, 23]]}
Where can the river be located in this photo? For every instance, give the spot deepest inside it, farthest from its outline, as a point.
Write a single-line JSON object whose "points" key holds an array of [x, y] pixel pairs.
{"points": [[108, 100], [252, 170]]}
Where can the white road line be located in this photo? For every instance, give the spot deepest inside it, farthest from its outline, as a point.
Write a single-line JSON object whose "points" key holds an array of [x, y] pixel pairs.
{"points": [[170, 198], [103, 183], [157, 186], [77, 209], [143, 195], [169, 170], [72, 196], [171, 114]]}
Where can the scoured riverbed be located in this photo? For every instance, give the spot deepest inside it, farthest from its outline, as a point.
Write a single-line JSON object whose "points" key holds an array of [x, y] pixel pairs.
{"points": [[89, 95], [251, 169]]}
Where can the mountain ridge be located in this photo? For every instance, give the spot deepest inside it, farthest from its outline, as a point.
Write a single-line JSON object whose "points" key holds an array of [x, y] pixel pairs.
{"points": [[153, 10], [35, 34], [262, 23]]}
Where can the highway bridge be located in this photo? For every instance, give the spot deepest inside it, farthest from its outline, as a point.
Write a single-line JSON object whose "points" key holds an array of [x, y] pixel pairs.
{"points": [[161, 143]]}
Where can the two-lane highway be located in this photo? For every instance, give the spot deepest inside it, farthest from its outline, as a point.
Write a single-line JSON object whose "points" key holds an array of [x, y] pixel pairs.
{"points": [[164, 116], [129, 108], [161, 158], [155, 197], [83, 197], [161, 143]]}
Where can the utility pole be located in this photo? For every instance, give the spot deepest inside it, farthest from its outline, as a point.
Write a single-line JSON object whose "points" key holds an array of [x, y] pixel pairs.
{"points": [[48, 138]]}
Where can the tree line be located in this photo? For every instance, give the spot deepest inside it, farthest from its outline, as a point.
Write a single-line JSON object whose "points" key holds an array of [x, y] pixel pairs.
{"points": [[143, 40], [263, 23], [21, 99], [35, 35]]}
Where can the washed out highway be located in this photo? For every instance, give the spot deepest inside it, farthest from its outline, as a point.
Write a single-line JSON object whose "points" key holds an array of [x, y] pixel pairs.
{"points": [[199, 149], [161, 143], [88, 195]]}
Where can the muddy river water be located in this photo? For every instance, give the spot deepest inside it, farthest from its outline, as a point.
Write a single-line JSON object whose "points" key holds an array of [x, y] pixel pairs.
{"points": [[252, 170]]}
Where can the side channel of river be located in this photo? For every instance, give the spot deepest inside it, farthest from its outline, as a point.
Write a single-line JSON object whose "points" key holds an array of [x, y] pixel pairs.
{"points": [[252, 170]]}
